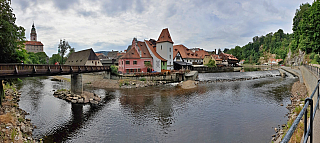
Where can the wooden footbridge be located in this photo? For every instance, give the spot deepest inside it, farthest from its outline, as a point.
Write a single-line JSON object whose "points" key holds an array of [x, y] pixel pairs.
{"points": [[25, 70], [8, 71]]}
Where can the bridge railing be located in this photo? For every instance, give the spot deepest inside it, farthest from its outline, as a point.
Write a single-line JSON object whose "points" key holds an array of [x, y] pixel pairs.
{"points": [[26, 69], [308, 128]]}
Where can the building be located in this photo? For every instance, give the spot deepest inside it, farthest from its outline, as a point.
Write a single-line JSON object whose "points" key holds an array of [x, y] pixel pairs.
{"points": [[164, 47], [228, 59], [214, 57], [273, 61], [136, 59], [33, 45], [83, 58], [183, 54], [160, 63]]}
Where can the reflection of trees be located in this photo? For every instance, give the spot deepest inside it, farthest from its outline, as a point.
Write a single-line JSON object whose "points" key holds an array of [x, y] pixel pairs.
{"points": [[77, 121]]}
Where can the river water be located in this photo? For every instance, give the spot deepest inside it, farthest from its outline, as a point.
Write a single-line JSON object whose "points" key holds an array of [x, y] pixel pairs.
{"points": [[241, 111]]}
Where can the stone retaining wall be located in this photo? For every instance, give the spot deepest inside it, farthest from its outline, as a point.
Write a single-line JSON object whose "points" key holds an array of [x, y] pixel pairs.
{"points": [[310, 80]]}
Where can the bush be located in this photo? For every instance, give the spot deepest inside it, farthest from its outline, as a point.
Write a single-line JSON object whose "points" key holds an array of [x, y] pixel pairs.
{"points": [[114, 70], [311, 55], [143, 79]]}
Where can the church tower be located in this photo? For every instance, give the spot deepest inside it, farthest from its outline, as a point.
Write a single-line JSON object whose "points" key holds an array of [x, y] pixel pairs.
{"points": [[33, 34]]}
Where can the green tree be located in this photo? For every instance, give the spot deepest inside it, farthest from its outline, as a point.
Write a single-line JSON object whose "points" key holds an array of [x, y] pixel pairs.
{"points": [[62, 48], [114, 70], [71, 50], [42, 56], [11, 36], [211, 63], [55, 58]]}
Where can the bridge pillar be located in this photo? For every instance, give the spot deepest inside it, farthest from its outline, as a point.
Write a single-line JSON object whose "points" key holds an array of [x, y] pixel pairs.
{"points": [[76, 84], [1, 93]]}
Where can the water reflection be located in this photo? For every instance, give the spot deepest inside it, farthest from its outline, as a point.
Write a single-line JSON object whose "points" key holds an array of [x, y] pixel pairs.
{"points": [[215, 112]]}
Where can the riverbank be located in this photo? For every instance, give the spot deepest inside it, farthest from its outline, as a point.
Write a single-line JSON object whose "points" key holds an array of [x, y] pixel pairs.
{"points": [[298, 94], [14, 127]]}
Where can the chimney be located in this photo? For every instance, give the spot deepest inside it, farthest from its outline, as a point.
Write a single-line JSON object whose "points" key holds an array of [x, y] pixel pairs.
{"points": [[215, 51]]}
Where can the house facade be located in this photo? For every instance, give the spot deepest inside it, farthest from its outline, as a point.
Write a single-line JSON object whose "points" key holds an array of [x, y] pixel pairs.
{"points": [[228, 59], [136, 58], [160, 63], [83, 58], [182, 53], [216, 58]]}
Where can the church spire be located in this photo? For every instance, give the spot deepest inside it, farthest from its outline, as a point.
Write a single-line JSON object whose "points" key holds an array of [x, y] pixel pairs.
{"points": [[33, 34]]}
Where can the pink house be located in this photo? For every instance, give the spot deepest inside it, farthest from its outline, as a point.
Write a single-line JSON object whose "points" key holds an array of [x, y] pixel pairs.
{"points": [[135, 58]]}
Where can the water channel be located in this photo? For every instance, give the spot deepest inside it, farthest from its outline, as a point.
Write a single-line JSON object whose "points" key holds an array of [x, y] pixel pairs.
{"points": [[241, 111]]}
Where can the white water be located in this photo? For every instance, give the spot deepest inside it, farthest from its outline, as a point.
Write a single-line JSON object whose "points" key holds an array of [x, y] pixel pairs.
{"points": [[237, 75]]}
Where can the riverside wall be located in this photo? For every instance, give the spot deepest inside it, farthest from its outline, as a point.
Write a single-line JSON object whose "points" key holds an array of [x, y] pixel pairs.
{"points": [[310, 80]]}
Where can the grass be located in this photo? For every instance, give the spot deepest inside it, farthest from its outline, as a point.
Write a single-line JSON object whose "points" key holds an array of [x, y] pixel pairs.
{"points": [[62, 90], [20, 119], [13, 133], [7, 86], [143, 79]]}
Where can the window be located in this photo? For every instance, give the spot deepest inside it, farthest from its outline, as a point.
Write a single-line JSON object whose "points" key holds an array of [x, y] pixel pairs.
{"points": [[127, 62], [170, 63], [161, 47], [170, 56], [170, 50], [127, 71], [139, 70], [122, 62], [134, 62]]}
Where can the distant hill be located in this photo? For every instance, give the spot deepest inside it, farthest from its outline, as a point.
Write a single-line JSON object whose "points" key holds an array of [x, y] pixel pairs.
{"points": [[103, 52]]}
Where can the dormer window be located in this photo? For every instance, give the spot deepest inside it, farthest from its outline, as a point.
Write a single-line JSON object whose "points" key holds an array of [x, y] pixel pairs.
{"points": [[176, 49], [161, 47]]}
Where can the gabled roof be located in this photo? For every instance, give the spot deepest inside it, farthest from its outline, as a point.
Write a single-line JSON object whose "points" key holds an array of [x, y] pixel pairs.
{"points": [[165, 36], [216, 57], [131, 54], [185, 52], [144, 50], [81, 57], [35, 43], [202, 53], [112, 54], [153, 50]]}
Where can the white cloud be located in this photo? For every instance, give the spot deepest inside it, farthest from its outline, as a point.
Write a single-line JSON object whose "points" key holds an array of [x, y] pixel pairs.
{"points": [[111, 25]]}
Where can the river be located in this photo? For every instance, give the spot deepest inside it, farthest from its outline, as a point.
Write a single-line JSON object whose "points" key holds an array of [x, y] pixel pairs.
{"points": [[241, 111]]}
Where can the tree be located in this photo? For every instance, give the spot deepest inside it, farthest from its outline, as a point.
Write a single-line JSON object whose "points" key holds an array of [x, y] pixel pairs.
{"points": [[148, 64], [55, 58], [211, 63], [62, 49], [42, 56], [11, 36], [71, 50], [114, 70]]}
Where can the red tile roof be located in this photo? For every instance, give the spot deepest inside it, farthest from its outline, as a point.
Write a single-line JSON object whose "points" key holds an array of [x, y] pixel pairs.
{"points": [[186, 53], [153, 50], [144, 50], [35, 43], [98, 54], [165, 36], [216, 57], [131, 54]]}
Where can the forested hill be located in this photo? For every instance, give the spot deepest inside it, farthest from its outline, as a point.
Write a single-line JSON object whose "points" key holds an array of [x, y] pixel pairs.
{"points": [[305, 36]]}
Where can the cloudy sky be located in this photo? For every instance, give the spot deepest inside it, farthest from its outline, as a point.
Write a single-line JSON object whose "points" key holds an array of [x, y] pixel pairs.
{"points": [[111, 24]]}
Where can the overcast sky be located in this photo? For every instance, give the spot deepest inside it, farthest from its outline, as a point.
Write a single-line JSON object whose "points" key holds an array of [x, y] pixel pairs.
{"points": [[112, 24]]}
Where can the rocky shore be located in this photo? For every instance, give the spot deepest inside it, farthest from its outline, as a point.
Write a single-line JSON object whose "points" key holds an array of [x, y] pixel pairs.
{"points": [[299, 93], [14, 127], [84, 98]]}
